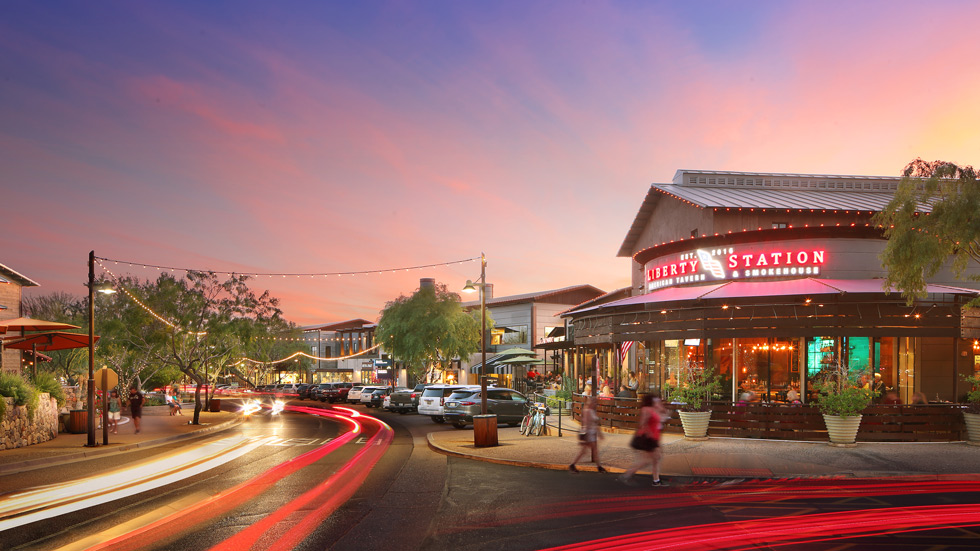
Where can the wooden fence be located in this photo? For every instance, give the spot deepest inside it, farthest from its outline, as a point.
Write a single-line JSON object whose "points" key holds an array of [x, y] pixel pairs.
{"points": [[880, 423]]}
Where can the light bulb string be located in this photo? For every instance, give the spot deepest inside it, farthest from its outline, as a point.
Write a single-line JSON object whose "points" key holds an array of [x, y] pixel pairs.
{"points": [[283, 274]]}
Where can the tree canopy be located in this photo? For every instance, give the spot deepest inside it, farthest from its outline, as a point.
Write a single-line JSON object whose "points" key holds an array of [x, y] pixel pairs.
{"points": [[429, 329], [921, 243]]}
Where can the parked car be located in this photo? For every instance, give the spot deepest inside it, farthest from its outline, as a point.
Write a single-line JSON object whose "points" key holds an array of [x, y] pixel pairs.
{"points": [[304, 391], [334, 392], [366, 394], [379, 398], [354, 394], [433, 397], [405, 401], [507, 404]]}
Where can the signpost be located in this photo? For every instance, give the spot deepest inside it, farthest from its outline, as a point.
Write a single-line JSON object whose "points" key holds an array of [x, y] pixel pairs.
{"points": [[105, 380]]}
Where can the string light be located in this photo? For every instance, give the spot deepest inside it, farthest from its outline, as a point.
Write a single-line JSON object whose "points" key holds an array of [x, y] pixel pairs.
{"points": [[310, 356], [274, 274], [144, 306]]}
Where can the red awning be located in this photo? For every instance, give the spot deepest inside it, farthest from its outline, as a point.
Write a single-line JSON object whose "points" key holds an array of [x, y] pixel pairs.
{"points": [[788, 287]]}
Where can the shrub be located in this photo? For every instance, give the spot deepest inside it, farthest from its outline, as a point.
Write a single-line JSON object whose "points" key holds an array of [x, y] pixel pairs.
{"points": [[841, 393], [973, 396], [695, 388], [45, 382], [13, 386]]}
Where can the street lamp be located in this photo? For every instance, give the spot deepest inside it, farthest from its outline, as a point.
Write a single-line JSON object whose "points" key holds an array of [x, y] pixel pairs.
{"points": [[91, 352], [471, 287], [484, 425]]}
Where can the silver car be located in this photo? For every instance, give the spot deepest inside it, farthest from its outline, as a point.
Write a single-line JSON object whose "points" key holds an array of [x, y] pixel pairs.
{"points": [[431, 401], [507, 404]]}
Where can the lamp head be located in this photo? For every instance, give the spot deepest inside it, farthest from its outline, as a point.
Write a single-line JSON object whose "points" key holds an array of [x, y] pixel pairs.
{"points": [[470, 287]]}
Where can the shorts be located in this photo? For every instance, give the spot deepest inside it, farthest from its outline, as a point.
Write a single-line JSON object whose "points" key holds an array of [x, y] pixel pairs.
{"points": [[115, 415]]}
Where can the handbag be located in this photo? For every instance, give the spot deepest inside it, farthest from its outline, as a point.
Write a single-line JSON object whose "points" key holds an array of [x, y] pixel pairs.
{"points": [[643, 442]]}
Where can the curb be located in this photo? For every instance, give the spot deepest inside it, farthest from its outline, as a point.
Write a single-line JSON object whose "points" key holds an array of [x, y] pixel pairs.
{"points": [[512, 462], [32, 464]]}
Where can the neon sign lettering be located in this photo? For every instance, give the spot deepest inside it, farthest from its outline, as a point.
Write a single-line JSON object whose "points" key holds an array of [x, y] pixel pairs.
{"points": [[727, 263]]}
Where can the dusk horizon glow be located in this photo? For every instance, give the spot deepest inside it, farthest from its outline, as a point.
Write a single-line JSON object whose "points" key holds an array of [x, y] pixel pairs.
{"points": [[308, 137]]}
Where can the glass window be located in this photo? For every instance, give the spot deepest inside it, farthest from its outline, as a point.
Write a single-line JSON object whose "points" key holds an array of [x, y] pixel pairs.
{"points": [[508, 335]]}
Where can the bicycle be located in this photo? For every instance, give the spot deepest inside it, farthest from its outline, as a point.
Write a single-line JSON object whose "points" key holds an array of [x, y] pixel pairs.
{"points": [[534, 421]]}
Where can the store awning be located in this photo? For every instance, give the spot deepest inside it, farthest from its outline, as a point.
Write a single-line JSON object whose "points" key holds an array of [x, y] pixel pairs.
{"points": [[790, 287], [494, 365]]}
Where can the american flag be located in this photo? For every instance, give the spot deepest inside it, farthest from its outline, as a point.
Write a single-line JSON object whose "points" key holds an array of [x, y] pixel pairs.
{"points": [[624, 348]]}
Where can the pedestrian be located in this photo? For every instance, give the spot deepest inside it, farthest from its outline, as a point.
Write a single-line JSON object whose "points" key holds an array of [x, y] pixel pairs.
{"points": [[173, 400], [646, 441], [588, 437], [136, 406], [115, 411]]}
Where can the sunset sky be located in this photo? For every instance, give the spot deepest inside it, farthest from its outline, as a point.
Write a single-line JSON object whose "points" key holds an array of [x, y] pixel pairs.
{"points": [[316, 137]]}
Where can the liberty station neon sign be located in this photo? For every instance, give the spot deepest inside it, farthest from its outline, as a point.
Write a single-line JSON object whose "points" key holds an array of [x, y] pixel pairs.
{"points": [[727, 263]]}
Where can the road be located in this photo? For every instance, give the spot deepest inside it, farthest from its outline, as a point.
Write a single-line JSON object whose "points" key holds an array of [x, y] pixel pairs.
{"points": [[311, 482]]}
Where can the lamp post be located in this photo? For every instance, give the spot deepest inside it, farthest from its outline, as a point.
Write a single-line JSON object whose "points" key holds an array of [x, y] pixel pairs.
{"points": [[469, 288], [484, 425], [91, 356]]}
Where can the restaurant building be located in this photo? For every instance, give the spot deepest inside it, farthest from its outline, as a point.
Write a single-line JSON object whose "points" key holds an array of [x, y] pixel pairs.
{"points": [[767, 279]]}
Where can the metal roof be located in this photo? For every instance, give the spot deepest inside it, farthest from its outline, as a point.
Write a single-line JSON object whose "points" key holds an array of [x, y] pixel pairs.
{"points": [[719, 189], [22, 279], [555, 295]]}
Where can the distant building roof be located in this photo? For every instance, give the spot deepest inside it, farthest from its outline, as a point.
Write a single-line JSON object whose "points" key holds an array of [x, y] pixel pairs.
{"points": [[341, 325], [8, 273], [566, 295], [718, 189]]}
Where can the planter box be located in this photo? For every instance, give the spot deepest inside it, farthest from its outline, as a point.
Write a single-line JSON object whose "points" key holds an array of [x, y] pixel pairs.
{"points": [[842, 430], [972, 421], [695, 424]]}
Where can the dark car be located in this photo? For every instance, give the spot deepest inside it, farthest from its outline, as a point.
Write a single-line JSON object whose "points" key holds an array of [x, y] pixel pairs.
{"points": [[334, 392], [507, 404], [303, 391], [379, 394]]}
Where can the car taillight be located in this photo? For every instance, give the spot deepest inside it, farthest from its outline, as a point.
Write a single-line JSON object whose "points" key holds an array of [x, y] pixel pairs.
{"points": [[415, 395], [467, 403]]}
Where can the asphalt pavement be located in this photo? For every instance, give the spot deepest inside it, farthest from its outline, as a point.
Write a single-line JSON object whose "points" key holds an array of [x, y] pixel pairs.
{"points": [[732, 458]]}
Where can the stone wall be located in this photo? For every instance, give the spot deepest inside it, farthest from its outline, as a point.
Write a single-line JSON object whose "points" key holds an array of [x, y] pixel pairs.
{"points": [[19, 431]]}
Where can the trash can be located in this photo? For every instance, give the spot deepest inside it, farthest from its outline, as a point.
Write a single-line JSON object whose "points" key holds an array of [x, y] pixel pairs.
{"points": [[484, 430], [215, 405], [78, 421]]}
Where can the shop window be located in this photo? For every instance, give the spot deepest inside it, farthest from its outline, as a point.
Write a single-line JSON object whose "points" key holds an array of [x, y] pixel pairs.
{"points": [[509, 335]]}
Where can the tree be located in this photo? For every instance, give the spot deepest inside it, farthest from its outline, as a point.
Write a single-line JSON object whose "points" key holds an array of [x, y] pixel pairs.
{"points": [[428, 330], [920, 244], [202, 327]]}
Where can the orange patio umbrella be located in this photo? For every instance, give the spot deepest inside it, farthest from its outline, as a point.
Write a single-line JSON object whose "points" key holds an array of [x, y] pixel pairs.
{"points": [[46, 342]]}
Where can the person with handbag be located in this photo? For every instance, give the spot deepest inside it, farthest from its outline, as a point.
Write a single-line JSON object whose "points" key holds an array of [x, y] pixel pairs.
{"points": [[588, 437], [646, 441]]}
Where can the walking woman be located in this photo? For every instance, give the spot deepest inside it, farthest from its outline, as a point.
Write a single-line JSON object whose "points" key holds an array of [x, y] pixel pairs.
{"points": [[646, 441], [589, 435]]}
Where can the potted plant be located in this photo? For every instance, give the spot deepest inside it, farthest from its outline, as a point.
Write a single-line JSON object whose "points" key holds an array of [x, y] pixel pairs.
{"points": [[692, 393], [971, 411], [842, 399]]}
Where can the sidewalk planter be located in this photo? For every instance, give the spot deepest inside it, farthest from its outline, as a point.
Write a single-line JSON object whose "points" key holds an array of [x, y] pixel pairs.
{"points": [[842, 430], [78, 421], [972, 421], [484, 430], [695, 424]]}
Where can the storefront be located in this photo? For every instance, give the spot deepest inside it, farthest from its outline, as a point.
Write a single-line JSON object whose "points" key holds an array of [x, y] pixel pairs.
{"points": [[770, 286]]}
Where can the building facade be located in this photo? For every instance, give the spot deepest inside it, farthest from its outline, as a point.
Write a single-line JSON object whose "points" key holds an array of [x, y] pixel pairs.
{"points": [[768, 279], [11, 307]]}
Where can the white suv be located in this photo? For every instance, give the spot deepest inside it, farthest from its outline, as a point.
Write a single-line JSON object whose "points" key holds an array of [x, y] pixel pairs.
{"points": [[432, 400], [365, 397]]}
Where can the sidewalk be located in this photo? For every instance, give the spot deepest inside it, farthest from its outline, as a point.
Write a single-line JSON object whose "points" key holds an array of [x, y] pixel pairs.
{"points": [[723, 457], [158, 427]]}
